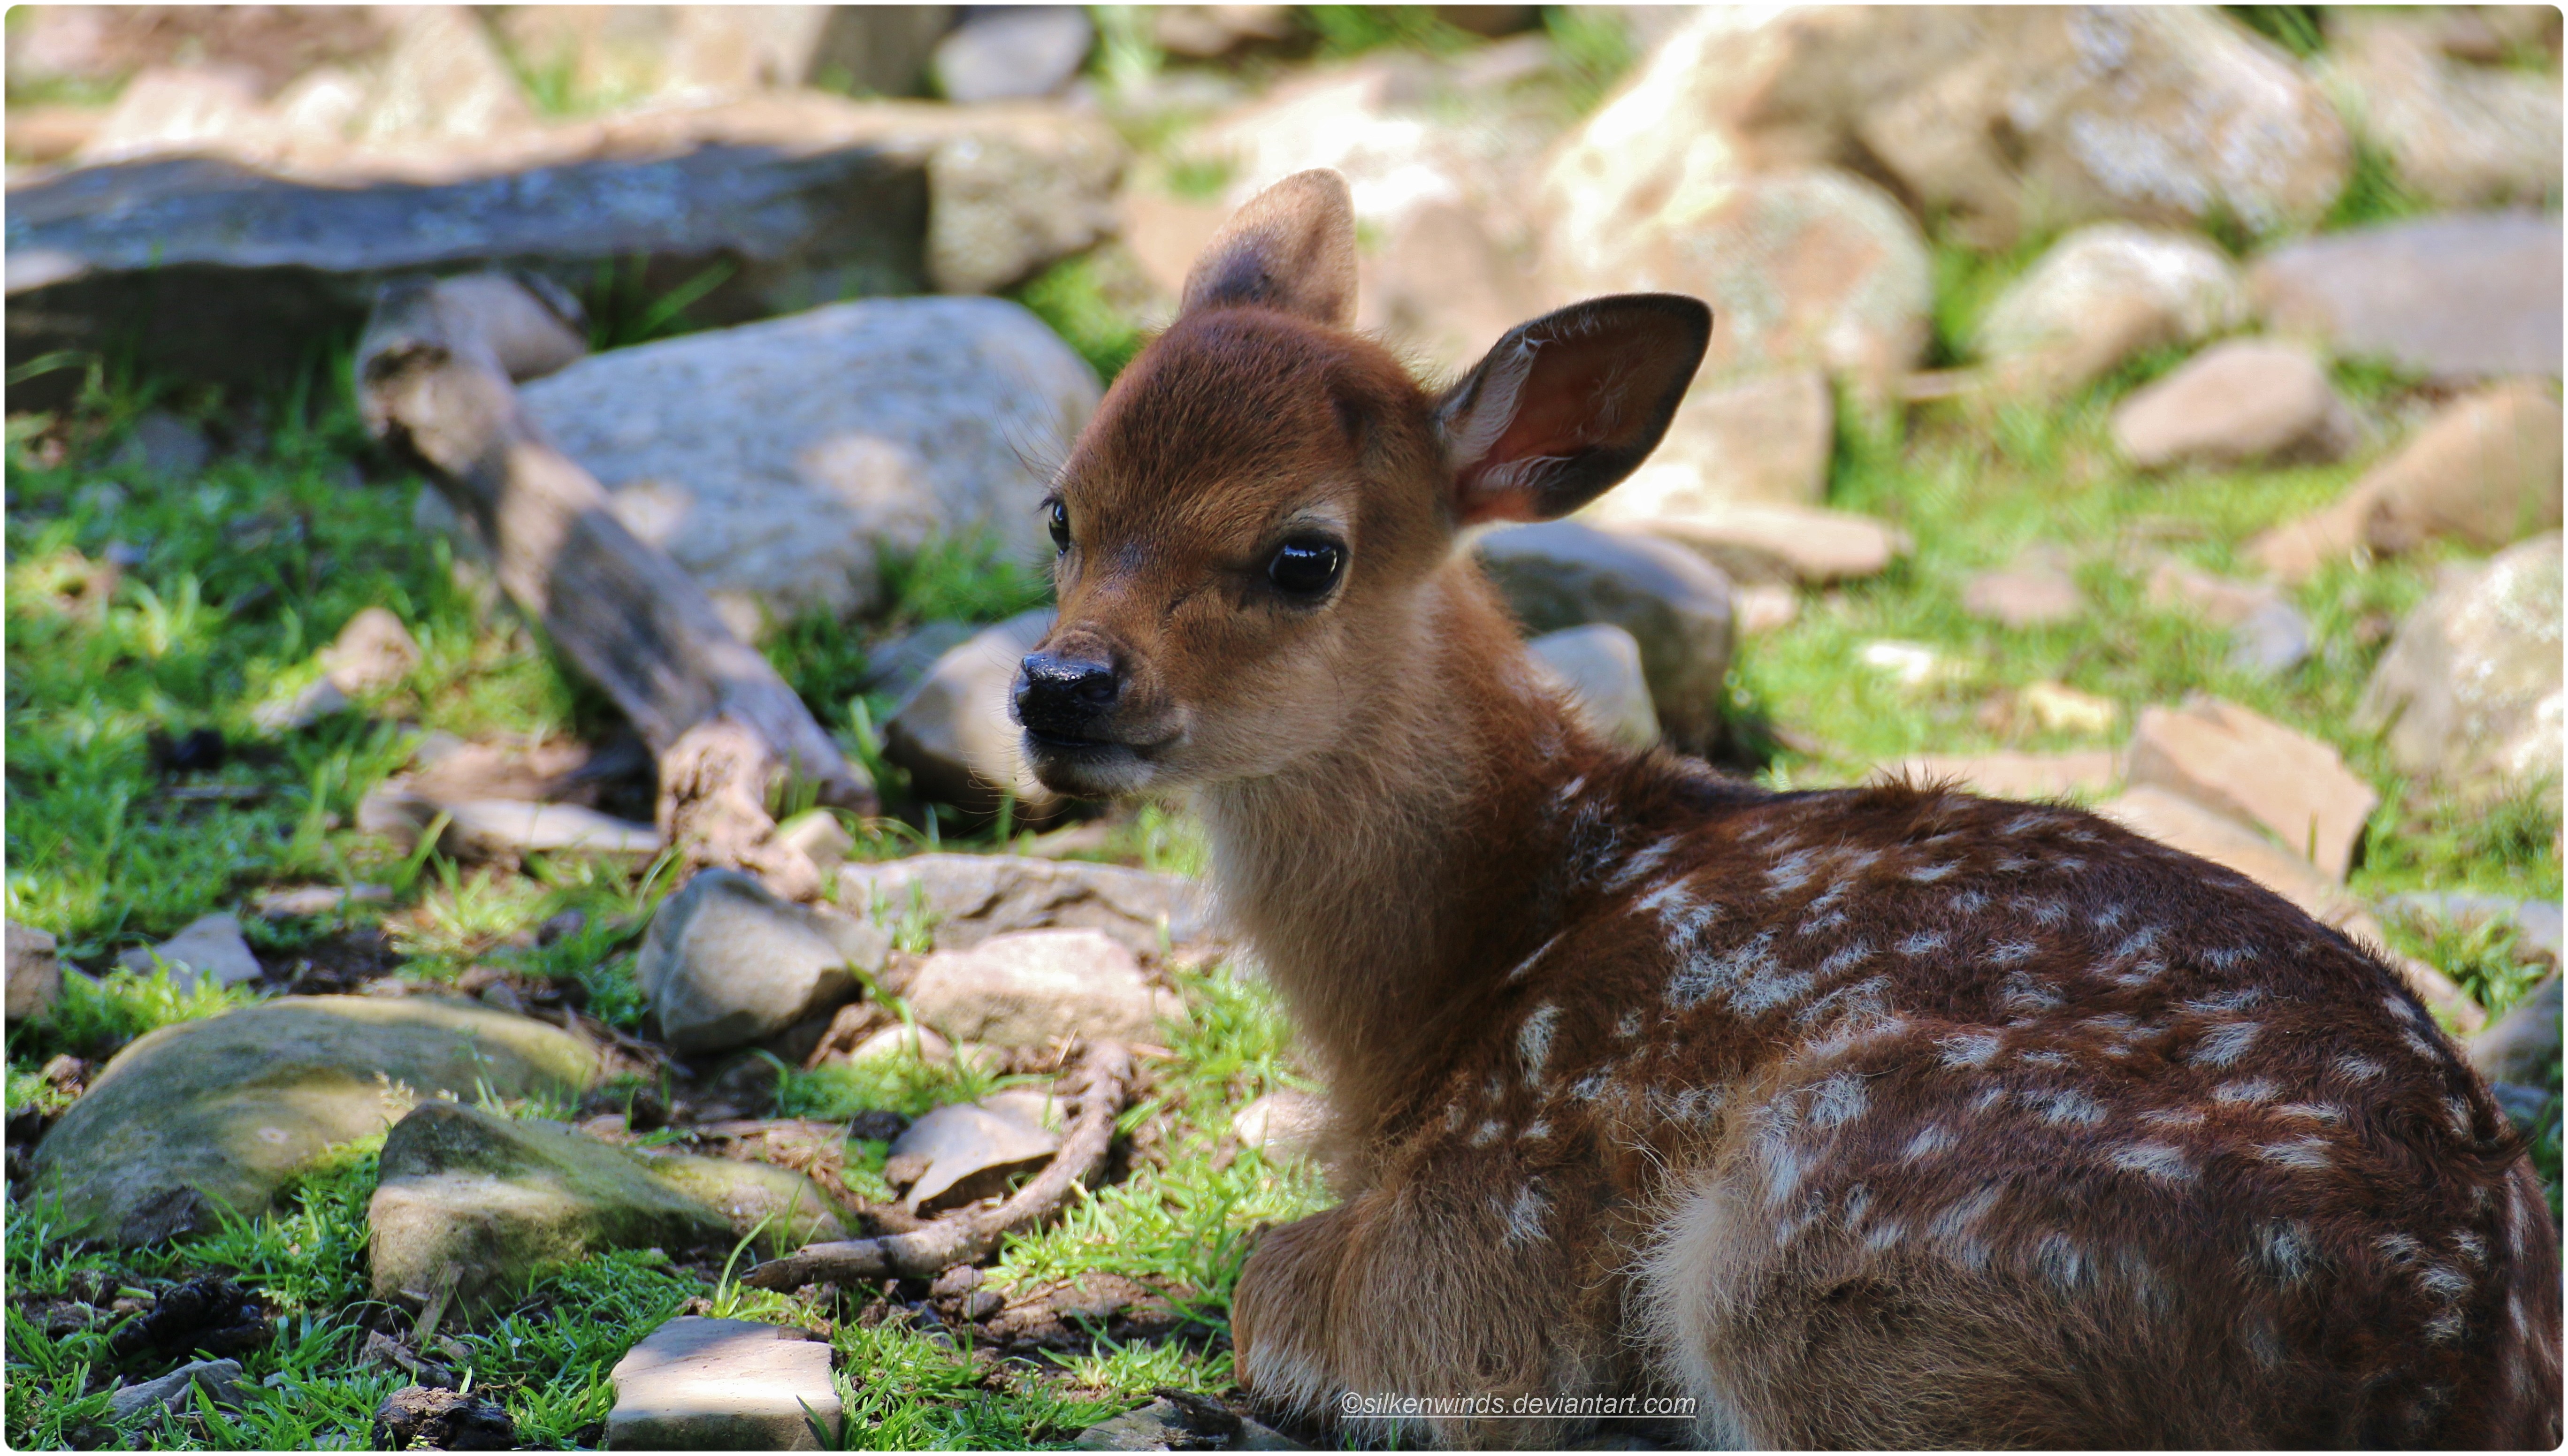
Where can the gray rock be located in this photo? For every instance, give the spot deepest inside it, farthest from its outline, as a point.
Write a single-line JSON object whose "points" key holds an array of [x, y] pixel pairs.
{"points": [[162, 444], [2178, 278], [309, 705], [1599, 666], [433, 1418], [819, 838], [1563, 574], [2271, 640], [2237, 403], [1028, 987], [2522, 1045], [699, 1385], [1005, 53], [177, 1391], [504, 829], [955, 731], [2537, 920], [209, 946], [969, 898], [899, 665], [961, 1152], [486, 1200], [372, 653], [35, 976], [2469, 691], [1165, 1425], [225, 272], [2523, 1105], [2458, 297], [933, 409], [726, 963], [225, 1111]]}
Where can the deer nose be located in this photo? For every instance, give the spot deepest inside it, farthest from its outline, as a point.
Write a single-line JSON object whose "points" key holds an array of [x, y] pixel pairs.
{"points": [[1061, 697]]}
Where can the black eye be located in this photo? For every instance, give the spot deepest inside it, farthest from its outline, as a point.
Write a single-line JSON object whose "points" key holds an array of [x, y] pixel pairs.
{"points": [[1060, 527], [1307, 567]]}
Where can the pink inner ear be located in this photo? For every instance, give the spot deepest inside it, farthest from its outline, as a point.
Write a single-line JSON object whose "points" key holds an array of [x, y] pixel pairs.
{"points": [[1565, 405]]}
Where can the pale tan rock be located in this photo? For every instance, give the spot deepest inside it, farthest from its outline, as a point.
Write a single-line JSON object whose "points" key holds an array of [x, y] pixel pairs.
{"points": [[209, 947], [2255, 770], [1285, 1124], [1440, 290], [698, 1384], [35, 976], [372, 653], [2461, 135], [175, 111], [2484, 472], [2175, 586], [2063, 709], [1201, 32], [954, 732], [1167, 234], [2026, 596], [1598, 667], [2014, 776], [2237, 403], [1760, 543], [444, 78], [1764, 439], [1029, 987], [2469, 691], [1765, 607], [2293, 551], [2176, 280]]}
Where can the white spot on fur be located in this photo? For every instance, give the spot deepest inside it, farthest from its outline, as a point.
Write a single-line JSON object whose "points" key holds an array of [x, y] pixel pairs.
{"points": [[2229, 1003], [2172, 1117], [1837, 1100], [2223, 1046], [2398, 1007], [2444, 1283], [2024, 994], [2309, 1154], [2357, 1069], [1525, 1216], [2253, 1089], [1534, 1132], [1970, 1049], [2070, 1109], [1789, 873], [2008, 953], [2061, 1261], [2284, 1252], [1534, 1040], [1825, 923], [1921, 943], [1846, 957], [1930, 873], [2229, 958], [1639, 866], [1591, 1087], [1630, 1024], [2472, 1247], [1486, 1133], [2314, 1111], [2156, 1159], [1931, 1139], [1528, 963], [2046, 1060]]}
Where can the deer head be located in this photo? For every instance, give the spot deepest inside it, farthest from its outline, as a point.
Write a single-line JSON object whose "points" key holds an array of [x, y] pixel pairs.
{"points": [[1249, 528]]}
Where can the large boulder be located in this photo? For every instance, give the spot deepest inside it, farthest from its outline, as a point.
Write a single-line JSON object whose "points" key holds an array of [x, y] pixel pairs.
{"points": [[2257, 772], [2469, 689], [2461, 135], [2006, 120], [968, 897], [2485, 473], [2460, 297], [956, 732], [776, 462], [726, 963], [228, 266], [224, 1111], [486, 1200], [1563, 574]]}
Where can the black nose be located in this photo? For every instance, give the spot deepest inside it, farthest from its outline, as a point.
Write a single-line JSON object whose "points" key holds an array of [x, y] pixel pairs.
{"points": [[1061, 697]]}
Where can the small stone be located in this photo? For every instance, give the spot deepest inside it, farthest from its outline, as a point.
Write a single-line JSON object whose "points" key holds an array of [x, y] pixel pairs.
{"points": [[2175, 586], [699, 1385], [561, 927], [2484, 472], [425, 1419], [210, 946], [1563, 574], [1765, 607], [1030, 988], [2523, 1044], [175, 1391], [903, 1041], [35, 976], [1598, 667], [2243, 402], [162, 444], [1009, 52], [726, 962], [1202, 32], [2255, 770], [304, 900], [2460, 297], [2014, 776], [818, 836], [2184, 285], [2470, 688], [479, 829], [2273, 640], [955, 733], [972, 897], [2026, 597], [1285, 1124], [314, 701], [372, 653], [1765, 543], [1913, 665], [2061, 709], [961, 1152], [876, 1124]]}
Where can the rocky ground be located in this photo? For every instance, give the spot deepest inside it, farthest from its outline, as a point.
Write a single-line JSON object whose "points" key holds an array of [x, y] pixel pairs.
{"points": [[379, 1073]]}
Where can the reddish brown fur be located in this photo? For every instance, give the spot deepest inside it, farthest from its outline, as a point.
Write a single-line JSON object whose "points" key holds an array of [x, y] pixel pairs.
{"points": [[1876, 1118]]}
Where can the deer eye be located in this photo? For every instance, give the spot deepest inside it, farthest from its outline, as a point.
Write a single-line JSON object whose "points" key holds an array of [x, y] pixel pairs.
{"points": [[1306, 566], [1060, 528]]}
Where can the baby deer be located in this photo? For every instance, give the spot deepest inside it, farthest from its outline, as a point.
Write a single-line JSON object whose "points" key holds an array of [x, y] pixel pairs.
{"points": [[1875, 1117]]}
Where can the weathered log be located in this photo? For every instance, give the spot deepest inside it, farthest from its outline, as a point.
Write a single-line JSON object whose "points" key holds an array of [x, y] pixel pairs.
{"points": [[1105, 1078], [435, 385]]}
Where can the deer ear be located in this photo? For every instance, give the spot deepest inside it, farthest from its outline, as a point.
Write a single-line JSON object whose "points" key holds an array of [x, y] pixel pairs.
{"points": [[1291, 248], [1565, 406]]}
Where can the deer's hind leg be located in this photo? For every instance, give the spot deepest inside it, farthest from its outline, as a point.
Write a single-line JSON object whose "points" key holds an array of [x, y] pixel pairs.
{"points": [[1452, 1287]]}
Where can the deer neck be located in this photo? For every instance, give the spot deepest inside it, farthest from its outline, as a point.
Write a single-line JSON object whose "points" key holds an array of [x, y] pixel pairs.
{"points": [[1377, 879]]}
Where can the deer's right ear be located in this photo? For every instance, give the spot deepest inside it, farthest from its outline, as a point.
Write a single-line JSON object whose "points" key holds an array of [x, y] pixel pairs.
{"points": [[1292, 248], [1565, 406]]}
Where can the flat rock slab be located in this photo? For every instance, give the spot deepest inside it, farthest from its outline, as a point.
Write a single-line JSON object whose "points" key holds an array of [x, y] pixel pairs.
{"points": [[2256, 771], [2023, 597], [1028, 987], [1782, 544], [225, 1111], [726, 963], [2238, 403], [957, 1153], [210, 946], [972, 897], [1165, 1425], [932, 410], [2459, 297], [699, 1385], [175, 1391], [484, 1200]]}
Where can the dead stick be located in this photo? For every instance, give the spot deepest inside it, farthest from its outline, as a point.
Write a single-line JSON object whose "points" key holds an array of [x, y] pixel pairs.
{"points": [[1105, 1075]]}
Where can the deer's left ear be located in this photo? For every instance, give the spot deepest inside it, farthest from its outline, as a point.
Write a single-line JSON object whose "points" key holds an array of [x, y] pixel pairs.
{"points": [[1564, 406]]}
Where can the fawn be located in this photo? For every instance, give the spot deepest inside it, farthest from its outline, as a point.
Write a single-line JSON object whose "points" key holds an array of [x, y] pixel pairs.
{"points": [[1878, 1117]]}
